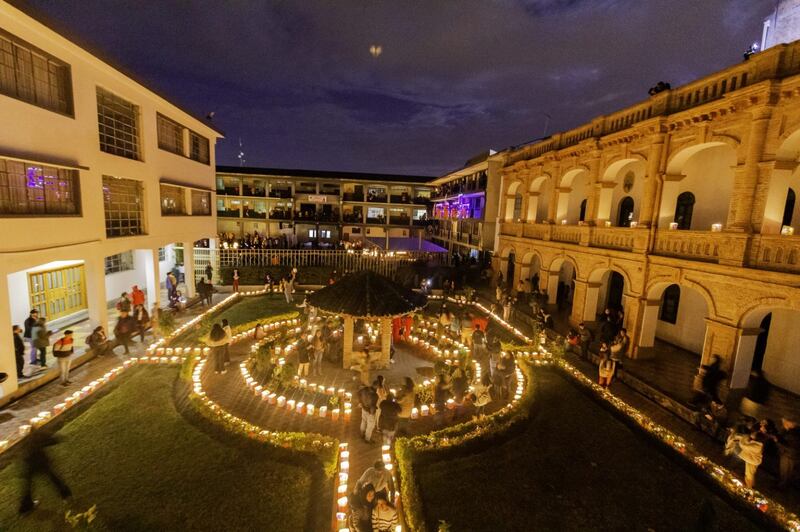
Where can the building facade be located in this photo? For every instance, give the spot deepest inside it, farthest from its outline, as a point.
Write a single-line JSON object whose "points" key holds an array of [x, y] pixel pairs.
{"points": [[99, 178], [681, 210], [322, 207], [464, 206]]}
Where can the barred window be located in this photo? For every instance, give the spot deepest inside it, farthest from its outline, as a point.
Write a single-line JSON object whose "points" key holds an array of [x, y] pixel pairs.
{"points": [[201, 203], [33, 189], [118, 123], [172, 200], [170, 134], [33, 76], [123, 200], [120, 262], [162, 254], [199, 148]]}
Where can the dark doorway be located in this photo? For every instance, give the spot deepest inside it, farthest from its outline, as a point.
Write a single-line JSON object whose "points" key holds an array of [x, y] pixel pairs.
{"points": [[788, 208], [683, 210], [510, 271], [761, 342], [582, 216], [625, 216], [616, 285]]}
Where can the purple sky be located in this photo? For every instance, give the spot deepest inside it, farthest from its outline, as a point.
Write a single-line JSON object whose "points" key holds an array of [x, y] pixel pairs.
{"points": [[295, 79]]}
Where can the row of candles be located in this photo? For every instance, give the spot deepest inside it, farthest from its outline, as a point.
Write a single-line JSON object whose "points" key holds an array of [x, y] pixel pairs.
{"points": [[342, 489], [299, 407]]}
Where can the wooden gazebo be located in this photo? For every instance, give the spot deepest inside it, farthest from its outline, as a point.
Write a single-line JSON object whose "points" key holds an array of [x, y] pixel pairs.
{"points": [[367, 295]]}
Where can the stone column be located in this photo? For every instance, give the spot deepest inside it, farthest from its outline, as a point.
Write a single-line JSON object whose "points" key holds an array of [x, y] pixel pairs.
{"points": [[578, 302], [634, 308], [347, 343], [593, 199], [648, 209], [96, 298], [386, 341], [743, 361], [8, 362], [720, 340], [746, 175], [590, 303], [649, 320], [152, 276], [188, 268]]}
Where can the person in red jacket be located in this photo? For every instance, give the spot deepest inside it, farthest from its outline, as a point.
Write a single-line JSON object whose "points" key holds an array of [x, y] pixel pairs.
{"points": [[137, 296]]}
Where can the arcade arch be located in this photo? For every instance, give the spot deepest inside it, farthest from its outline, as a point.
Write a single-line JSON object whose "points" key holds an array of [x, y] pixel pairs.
{"points": [[621, 192], [572, 191], [561, 283], [782, 208], [539, 192], [605, 289], [676, 314]]}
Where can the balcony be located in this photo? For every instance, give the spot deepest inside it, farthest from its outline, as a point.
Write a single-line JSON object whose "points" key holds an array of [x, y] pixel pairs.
{"points": [[353, 218], [537, 231], [252, 191], [280, 193], [775, 252], [250, 213], [400, 220], [571, 234], [707, 246], [228, 213], [421, 200], [377, 198], [353, 196], [511, 229], [280, 214], [400, 198], [228, 191], [622, 238], [381, 220]]}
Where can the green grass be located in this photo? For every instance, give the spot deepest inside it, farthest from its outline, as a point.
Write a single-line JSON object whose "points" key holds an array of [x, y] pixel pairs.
{"points": [[575, 467], [147, 468]]}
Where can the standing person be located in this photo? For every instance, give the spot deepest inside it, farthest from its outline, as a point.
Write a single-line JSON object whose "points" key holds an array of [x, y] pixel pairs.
{"points": [[19, 350], [304, 355], [216, 341], [42, 340], [361, 509], [235, 280], [30, 323], [172, 284], [712, 378], [406, 401], [441, 394], [606, 371], [368, 399], [228, 340], [384, 515], [123, 330], [482, 394], [379, 477], [169, 285], [319, 350], [209, 272], [63, 350], [98, 342], [268, 282], [124, 304], [789, 449], [383, 392], [585, 336], [137, 296], [390, 417], [38, 463], [287, 289], [209, 291], [507, 308], [142, 320]]}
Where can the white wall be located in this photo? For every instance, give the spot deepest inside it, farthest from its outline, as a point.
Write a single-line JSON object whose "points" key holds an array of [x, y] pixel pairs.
{"points": [[782, 358], [689, 329], [636, 192], [580, 192]]}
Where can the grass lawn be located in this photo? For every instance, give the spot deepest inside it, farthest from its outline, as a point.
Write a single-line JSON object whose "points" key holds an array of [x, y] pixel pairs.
{"points": [[147, 468], [575, 467]]}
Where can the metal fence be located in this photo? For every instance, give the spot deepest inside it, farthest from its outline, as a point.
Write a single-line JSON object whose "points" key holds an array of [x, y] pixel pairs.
{"points": [[385, 263]]}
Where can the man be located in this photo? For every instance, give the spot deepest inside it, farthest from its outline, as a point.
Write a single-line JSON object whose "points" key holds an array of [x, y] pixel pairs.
{"points": [[209, 272], [30, 323], [124, 304], [585, 336], [19, 350], [379, 477], [390, 412], [137, 296], [368, 398], [63, 350], [98, 342], [789, 447], [123, 330]]}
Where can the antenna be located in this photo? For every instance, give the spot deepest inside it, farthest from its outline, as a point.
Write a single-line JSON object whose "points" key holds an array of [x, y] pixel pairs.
{"points": [[242, 160], [547, 119]]}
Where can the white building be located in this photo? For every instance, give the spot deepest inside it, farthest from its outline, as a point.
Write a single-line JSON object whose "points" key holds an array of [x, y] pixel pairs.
{"points": [[99, 175], [783, 24]]}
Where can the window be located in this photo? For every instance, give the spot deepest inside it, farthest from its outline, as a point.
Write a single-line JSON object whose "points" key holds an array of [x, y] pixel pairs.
{"points": [[33, 76], [199, 148], [517, 207], [118, 122], [170, 134], [788, 208], [376, 215], [162, 254], [201, 203], [32, 189], [669, 304], [582, 213], [121, 262], [172, 200], [683, 210], [625, 216], [122, 200]]}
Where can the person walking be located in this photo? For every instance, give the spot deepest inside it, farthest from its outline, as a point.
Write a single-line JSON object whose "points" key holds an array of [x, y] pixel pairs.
{"points": [[235, 280], [606, 371], [123, 330], [137, 296], [62, 350], [42, 340], [19, 350], [288, 288], [319, 350], [304, 355], [30, 323], [390, 414], [142, 320], [585, 339], [228, 341], [216, 341], [384, 515], [482, 394], [368, 399], [37, 462], [98, 342]]}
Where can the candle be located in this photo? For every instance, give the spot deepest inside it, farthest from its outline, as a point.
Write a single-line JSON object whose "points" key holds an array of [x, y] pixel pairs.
{"points": [[290, 404], [414, 413], [310, 410], [300, 406], [323, 411], [424, 410], [347, 413], [335, 414], [281, 401]]}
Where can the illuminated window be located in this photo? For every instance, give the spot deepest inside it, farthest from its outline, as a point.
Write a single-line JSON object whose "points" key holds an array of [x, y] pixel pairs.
{"points": [[172, 200], [170, 134], [30, 188], [122, 200], [118, 121], [121, 262], [201, 203]]}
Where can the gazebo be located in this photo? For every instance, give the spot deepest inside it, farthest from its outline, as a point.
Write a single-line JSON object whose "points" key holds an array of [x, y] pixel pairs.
{"points": [[367, 295]]}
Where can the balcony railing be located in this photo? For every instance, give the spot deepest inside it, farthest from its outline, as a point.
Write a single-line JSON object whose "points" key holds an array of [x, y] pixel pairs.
{"points": [[353, 196], [228, 213], [776, 252], [708, 246], [352, 218], [280, 193], [255, 214], [568, 233], [399, 220], [537, 231], [276, 214], [511, 229], [623, 238]]}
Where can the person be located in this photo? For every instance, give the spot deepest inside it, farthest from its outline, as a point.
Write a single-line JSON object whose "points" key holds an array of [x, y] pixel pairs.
{"points": [[287, 289], [123, 304], [137, 296], [521, 294], [384, 515], [482, 394], [406, 400], [62, 350], [621, 344], [259, 332], [29, 324], [585, 336], [441, 394], [155, 321], [37, 462], [383, 392], [750, 450], [572, 342], [361, 509], [123, 330], [42, 340], [756, 394], [711, 418], [19, 350], [606, 371], [98, 342], [607, 328], [228, 340], [789, 450], [713, 376], [209, 272], [319, 351], [176, 301], [172, 284], [268, 282], [368, 399], [304, 355], [208, 290], [507, 308], [379, 477], [216, 341], [169, 285], [236, 280], [142, 320], [389, 419]]}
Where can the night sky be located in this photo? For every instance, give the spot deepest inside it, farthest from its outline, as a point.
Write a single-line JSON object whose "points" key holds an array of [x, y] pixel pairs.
{"points": [[296, 80]]}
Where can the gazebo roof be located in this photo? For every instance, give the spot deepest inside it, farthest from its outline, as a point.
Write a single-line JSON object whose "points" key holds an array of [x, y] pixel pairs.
{"points": [[366, 294]]}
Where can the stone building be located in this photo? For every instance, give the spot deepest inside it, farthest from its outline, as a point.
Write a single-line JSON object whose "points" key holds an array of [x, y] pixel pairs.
{"points": [[681, 210], [783, 24]]}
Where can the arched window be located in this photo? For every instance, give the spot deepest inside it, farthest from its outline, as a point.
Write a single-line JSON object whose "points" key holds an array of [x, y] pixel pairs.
{"points": [[788, 208], [517, 207], [582, 215], [683, 210], [625, 216], [669, 304]]}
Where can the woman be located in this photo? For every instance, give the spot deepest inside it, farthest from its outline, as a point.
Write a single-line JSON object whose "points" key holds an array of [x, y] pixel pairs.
{"points": [[142, 320], [384, 515], [235, 280], [319, 351], [606, 371], [98, 341], [228, 339], [216, 341], [383, 393], [361, 509], [482, 393], [440, 396], [41, 340]]}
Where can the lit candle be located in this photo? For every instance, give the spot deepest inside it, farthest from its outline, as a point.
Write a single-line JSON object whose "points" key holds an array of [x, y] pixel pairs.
{"points": [[323, 411], [335, 414], [414, 413], [424, 410], [290, 404]]}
